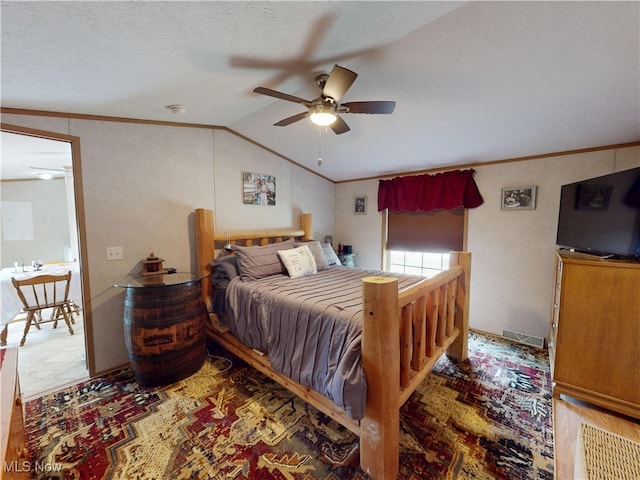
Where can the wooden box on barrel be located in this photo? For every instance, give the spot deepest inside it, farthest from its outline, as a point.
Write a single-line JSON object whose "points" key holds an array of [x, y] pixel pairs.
{"points": [[164, 327]]}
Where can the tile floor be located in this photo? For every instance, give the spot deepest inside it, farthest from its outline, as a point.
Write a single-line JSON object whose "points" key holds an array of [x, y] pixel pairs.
{"points": [[50, 358]]}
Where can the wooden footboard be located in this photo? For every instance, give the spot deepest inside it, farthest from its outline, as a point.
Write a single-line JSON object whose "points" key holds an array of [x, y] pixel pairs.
{"points": [[427, 319]]}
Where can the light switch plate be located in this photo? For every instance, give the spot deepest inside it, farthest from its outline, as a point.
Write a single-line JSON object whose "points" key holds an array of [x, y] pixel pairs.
{"points": [[114, 253]]}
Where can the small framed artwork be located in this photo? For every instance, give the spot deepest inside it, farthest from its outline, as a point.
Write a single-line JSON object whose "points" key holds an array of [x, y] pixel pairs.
{"points": [[258, 189], [593, 197], [519, 198], [360, 205]]}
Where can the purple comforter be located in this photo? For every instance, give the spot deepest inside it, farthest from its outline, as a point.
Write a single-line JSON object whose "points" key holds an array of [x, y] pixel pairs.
{"points": [[310, 328]]}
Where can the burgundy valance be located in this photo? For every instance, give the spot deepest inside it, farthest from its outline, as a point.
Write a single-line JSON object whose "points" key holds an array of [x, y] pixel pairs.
{"points": [[423, 193]]}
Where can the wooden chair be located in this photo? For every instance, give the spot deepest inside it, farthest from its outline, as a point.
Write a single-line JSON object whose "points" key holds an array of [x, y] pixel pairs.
{"points": [[44, 292], [74, 307]]}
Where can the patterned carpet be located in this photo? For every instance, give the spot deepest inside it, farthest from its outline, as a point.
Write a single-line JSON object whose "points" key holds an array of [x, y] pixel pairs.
{"points": [[487, 418]]}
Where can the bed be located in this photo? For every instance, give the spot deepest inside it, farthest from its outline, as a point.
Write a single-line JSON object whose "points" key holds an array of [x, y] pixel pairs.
{"points": [[428, 317]]}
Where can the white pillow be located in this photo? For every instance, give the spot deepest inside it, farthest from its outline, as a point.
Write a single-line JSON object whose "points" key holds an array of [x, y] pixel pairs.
{"points": [[330, 254], [298, 261]]}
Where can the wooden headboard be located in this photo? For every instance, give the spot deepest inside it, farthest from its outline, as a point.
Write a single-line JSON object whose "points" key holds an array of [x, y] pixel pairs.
{"points": [[207, 240]]}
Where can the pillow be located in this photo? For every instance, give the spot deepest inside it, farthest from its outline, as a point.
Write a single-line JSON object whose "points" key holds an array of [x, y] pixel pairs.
{"points": [[223, 270], [224, 267], [260, 261], [298, 261], [330, 254], [317, 252]]}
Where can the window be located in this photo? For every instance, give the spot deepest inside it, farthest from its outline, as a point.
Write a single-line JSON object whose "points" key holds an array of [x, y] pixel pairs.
{"points": [[418, 263], [419, 243]]}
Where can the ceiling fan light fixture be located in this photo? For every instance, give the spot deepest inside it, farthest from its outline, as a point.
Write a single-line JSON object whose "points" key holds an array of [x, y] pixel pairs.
{"points": [[323, 115], [326, 110], [45, 176]]}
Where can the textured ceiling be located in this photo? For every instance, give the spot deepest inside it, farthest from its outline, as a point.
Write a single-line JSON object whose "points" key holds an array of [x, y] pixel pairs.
{"points": [[473, 82]]}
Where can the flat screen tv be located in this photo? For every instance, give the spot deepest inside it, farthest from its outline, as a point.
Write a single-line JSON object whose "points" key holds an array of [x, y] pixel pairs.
{"points": [[601, 215]]}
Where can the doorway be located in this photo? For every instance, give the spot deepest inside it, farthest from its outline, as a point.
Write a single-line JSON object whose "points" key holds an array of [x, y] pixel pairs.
{"points": [[42, 222]]}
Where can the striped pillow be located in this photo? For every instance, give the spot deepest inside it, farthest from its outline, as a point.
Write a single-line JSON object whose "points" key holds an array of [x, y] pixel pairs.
{"points": [[317, 252], [261, 261]]}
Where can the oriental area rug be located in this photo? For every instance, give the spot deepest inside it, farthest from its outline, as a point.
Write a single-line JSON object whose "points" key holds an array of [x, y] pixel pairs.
{"points": [[489, 417]]}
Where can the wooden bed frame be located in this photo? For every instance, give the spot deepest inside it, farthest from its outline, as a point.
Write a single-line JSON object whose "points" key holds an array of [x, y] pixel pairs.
{"points": [[428, 319]]}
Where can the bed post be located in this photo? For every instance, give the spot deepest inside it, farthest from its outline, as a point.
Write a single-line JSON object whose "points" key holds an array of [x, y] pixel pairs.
{"points": [[204, 248], [380, 428], [306, 225], [458, 350]]}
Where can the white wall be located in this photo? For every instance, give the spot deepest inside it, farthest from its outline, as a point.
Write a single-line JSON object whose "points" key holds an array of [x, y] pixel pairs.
{"points": [[50, 223], [297, 190], [513, 251], [362, 232], [141, 183]]}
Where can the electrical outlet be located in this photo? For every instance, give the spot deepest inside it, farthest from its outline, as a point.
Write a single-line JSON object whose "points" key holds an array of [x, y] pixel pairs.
{"points": [[114, 253]]}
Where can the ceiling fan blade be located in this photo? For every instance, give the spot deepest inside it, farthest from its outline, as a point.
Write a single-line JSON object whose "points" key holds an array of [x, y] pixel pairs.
{"points": [[339, 126], [338, 82], [290, 120], [370, 107], [281, 96], [51, 169]]}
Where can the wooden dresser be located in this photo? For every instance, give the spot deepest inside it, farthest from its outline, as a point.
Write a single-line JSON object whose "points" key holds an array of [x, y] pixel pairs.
{"points": [[594, 346], [13, 447]]}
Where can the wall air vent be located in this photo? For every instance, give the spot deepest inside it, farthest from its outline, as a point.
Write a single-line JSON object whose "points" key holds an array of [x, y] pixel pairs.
{"points": [[524, 338]]}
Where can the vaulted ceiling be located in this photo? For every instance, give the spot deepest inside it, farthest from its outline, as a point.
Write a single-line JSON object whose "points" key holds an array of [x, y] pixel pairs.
{"points": [[472, 81]]}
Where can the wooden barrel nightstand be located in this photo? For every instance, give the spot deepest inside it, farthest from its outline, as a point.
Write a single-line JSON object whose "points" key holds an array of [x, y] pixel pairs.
{"points": [[164, 326]]}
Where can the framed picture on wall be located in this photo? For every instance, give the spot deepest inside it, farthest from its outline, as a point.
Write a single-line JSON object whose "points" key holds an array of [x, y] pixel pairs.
{"points": [[519, 198], [360, 205], [258, 189]]}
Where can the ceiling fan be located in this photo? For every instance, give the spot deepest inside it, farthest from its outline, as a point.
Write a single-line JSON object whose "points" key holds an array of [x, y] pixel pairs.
{"points": [[61, 169], [44, 172], [325, 109]]}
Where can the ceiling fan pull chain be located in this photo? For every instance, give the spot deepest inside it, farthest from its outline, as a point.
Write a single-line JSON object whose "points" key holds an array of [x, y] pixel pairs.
{"points": [[320, 145]]}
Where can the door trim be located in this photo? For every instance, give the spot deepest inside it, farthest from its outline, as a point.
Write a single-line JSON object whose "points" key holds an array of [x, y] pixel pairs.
{"points": [[80, 225]]}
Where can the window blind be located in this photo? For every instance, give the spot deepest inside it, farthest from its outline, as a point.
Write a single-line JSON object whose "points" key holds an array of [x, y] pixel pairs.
{"points": [[435, 231]]}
